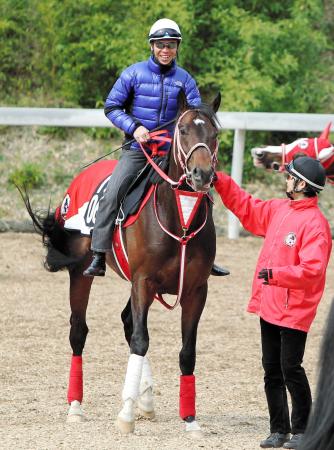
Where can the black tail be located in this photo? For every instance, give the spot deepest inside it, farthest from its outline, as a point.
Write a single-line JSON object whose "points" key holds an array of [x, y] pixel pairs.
{"points": [[319, 433], [54, 237]]}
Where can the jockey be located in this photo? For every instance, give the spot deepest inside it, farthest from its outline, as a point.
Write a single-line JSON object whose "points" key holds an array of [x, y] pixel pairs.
{"points": [[143, 98], [288, 284]]}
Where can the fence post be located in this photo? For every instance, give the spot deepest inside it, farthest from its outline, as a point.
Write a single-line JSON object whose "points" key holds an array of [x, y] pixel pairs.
{"points": [[236, 174]]}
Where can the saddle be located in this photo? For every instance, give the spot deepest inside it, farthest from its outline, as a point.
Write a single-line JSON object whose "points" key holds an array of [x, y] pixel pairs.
{"points": [[147, 177]]}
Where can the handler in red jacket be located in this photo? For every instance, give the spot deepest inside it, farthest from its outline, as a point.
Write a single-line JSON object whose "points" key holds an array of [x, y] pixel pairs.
{"points": [[287, 286]]}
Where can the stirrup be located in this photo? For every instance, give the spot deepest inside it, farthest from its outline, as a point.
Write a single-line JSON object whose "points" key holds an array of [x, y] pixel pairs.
{"points": [[219, 271]]}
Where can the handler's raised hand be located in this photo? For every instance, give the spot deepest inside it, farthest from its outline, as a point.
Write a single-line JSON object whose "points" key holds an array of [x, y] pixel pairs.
{"points": [[141, 134], [265, 274]]}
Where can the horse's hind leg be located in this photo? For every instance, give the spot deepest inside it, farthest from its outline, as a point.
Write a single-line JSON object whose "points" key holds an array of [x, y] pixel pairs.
{"points": [[79, 294], [192, 307], [145, 401]]}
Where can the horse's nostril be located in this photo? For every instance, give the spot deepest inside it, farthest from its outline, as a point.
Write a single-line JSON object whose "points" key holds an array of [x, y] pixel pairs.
{"points": [[275, 166]]}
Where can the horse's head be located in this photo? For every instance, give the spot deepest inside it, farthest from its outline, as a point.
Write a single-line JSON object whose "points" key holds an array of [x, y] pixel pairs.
{"points": [[274, 157], [196, 144], [267, 157]]}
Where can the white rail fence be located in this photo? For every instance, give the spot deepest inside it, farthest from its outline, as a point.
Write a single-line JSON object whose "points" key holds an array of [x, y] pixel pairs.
{"points": [[238, 121]]}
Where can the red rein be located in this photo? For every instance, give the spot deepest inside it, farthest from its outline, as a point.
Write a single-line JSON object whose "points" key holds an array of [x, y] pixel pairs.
{"points": [[75, 385], [187, 396]]}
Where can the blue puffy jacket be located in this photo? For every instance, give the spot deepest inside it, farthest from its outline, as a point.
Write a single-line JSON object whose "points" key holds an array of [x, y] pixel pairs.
{"points": [[143, 95]]}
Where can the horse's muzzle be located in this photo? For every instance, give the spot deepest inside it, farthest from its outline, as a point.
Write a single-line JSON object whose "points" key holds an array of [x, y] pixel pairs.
{"points": [[201, 179]]}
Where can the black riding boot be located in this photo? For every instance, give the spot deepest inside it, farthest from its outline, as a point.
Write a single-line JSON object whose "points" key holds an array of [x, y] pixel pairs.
{"points": [[219, 271], [97, 267]]}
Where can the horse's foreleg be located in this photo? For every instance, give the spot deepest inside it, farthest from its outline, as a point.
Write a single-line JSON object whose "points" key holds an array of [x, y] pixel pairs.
{"points": [[126, 317], [141, 299], [145, 400], [79, 294], [192, 307]]}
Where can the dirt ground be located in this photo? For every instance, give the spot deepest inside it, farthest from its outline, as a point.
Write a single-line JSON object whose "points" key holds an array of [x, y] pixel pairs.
{"points": [[35, 357]]}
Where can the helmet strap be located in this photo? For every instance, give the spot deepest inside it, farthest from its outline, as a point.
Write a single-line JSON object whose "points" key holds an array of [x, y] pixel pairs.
{"points": [[295, 186], [295, 190]]}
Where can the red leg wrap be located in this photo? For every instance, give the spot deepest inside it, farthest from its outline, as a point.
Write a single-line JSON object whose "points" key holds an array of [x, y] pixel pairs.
{"points": [[187, 396], [75, 385]]}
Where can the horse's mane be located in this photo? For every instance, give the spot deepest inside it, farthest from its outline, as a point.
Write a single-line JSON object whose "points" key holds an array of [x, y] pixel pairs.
{"points": [[319, 433]]}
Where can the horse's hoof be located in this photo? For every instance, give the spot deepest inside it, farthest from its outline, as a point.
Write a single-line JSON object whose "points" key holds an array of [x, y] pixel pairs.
{"points": [[196, 435], [76, 418], [147, 414], [75, 414], [193, 430], [125, 427]]}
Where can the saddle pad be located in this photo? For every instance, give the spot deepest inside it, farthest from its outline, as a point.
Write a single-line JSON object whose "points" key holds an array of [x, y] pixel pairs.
{"points": [[81, 200]]}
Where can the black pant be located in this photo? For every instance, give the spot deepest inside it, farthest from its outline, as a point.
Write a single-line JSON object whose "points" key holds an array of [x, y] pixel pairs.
{"points": [[130, 163], [282, 356]]}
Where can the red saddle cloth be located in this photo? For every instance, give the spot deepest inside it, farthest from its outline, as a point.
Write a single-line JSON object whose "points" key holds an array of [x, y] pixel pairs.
{"points": [[78, 209], [81, 201]]}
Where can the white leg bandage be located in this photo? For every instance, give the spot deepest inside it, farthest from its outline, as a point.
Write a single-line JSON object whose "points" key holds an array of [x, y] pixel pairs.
{"points": [[146, 380], [132, 378], [145, 399]]}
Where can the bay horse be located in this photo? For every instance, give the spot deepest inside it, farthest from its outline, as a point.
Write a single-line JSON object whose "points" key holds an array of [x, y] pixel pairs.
{"points": [[158, 264], [274, 157], [319, 433]]}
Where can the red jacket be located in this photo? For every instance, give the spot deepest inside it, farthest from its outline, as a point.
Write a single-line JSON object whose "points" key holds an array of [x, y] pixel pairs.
{"points": [[297, 247]]}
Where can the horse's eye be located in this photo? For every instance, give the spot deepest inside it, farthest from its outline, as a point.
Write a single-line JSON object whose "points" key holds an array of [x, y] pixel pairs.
{"points": [[183, 129]]}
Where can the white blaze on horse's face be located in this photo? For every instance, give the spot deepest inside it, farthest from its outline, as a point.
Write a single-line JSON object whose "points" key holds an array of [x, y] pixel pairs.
{"points": [[199, 122]]}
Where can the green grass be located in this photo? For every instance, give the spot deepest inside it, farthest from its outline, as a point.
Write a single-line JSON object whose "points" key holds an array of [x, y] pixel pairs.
{"points": [[28, 176]]}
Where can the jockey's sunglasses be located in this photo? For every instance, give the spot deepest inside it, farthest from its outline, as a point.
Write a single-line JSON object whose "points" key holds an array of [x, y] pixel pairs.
{"points": [[160, 45]]}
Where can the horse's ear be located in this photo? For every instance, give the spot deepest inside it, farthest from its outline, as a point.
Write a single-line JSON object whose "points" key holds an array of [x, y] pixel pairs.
{"points": [[216, 103], [325, 133], [182, 101]]}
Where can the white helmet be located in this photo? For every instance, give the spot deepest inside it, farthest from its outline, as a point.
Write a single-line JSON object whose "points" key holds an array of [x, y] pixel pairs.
{"points": [[164, 29]]}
